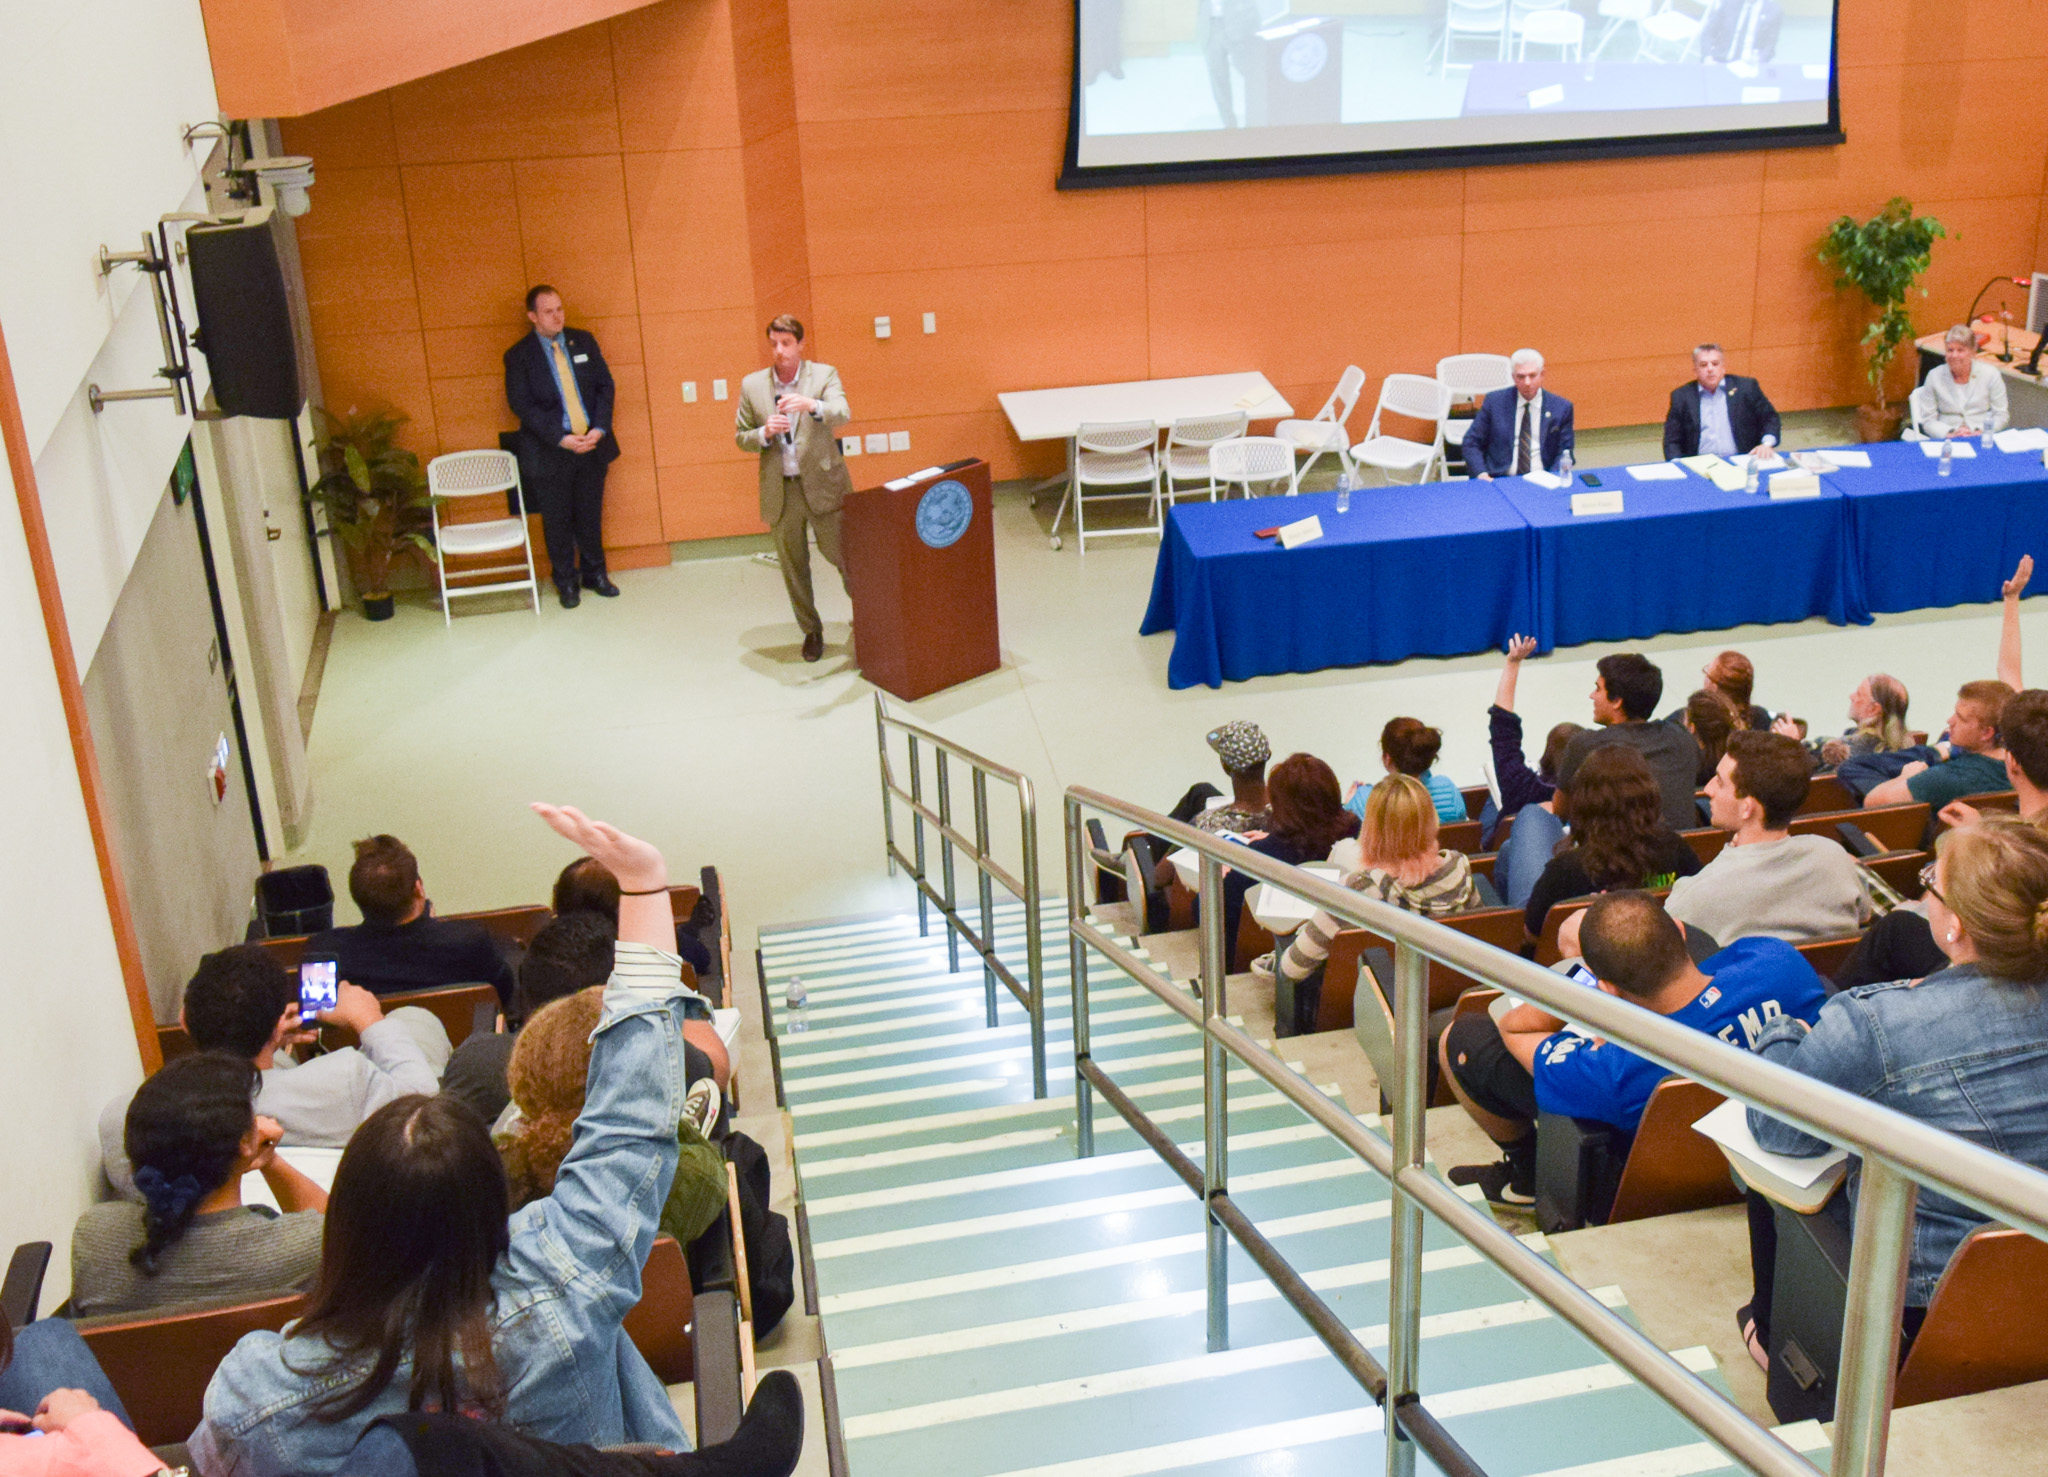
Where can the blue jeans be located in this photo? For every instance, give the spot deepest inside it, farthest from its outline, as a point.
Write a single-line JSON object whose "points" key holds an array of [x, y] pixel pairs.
{"points": [[1528, 850], [49, 1355]]}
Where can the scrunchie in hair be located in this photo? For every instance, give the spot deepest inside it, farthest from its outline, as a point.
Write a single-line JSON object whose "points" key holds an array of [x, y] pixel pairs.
{"points": [[168, 1199]]}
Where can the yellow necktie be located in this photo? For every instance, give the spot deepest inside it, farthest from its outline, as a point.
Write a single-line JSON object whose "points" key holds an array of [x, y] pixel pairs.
{"points": [[572, 401]]}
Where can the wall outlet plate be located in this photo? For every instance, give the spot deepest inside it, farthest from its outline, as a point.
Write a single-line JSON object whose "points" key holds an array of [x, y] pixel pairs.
{"points": [[718, 389], [849, 446], [689, 392], [881, 328], [899, 440], [879, 441], [931, 323]]}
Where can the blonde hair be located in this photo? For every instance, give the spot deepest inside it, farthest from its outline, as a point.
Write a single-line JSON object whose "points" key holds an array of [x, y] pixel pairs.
{"points": [[550, 1066], [1996, 883], [1400, 822]]}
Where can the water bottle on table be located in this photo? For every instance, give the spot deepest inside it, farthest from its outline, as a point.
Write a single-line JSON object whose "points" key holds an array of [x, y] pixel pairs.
{"points": [[1344, 481], [1948, 458], [1564, 467], [798, 1001]]}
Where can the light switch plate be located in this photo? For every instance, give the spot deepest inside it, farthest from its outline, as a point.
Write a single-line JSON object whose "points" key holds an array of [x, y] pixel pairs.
{"points": [[931, 323], [689, 392], [881, 328], [899, 440], [879, 441], [718, 389], [849, 446]]}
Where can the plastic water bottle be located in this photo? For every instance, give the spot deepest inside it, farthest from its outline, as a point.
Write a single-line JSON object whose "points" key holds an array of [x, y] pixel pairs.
{"points": [[1564, 466], [1948, 458], [1751, 481], [1344, 492], [798, 999]]}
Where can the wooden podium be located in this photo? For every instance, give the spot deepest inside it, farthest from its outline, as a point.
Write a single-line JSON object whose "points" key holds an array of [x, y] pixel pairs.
{"points": [[921, 568]]}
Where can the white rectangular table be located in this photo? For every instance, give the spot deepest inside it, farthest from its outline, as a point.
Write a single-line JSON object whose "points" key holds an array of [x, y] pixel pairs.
{"points": [[1057, 414]]}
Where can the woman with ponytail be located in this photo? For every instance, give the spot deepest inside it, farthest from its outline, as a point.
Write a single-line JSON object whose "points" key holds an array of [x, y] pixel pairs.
{"points": [[192, 1133]]}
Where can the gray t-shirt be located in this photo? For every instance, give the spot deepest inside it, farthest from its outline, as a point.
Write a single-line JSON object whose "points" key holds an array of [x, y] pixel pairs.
{"points": [[1800, 889], [1670, 750], [229, 1256]]}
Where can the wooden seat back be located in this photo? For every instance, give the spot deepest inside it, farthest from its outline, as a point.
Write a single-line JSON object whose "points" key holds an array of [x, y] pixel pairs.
{"points": [[1828, 955], [454, 1006], [1253, 939], [1986, 1326], [160, 1366], [1892, 827], [1706, 842], [1670, 1167], [1458, 836], [1501, 927], [2006, 801], [174, 1041], [286, 952], [659, 1324], [512, 926], [1900, 869], [1475, 797], [1827, 793]]}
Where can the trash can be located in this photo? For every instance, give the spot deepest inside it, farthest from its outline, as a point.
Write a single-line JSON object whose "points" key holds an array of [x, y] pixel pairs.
{"points": [[295, 900]]}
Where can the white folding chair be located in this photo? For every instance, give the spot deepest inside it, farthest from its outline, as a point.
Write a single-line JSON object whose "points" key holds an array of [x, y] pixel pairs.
{"points": [[1670, 33], [467, 474], [1326, 433], [1187, 449], [1249, 459], [1520, 12], [1471, 377], [1477, 20], [1619, 13], [1564, 29], [1919, 407], [1115, 454], [1418, 397]]}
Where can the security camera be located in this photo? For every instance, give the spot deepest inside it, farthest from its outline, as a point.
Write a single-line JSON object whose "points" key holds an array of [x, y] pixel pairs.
{"points": [[290, 176]]}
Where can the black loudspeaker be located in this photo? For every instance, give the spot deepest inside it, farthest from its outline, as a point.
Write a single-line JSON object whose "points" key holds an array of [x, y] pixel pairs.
{"points": [[245, 317]]}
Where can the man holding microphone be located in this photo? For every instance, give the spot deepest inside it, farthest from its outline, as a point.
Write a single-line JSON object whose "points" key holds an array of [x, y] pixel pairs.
{"points": [[788, 414]]}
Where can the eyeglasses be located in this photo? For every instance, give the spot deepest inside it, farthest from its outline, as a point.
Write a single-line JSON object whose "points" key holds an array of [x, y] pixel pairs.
{"points": [[1927, 884]]}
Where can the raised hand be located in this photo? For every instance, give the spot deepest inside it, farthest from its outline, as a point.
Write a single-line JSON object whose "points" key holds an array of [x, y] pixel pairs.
{"points": [[2013, 588], [1520, 648], [637, 864]]}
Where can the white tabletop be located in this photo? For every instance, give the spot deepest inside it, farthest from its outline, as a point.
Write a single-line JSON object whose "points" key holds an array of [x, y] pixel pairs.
{"points": [[317, 1165], [1054, 415], [1283, 912]]}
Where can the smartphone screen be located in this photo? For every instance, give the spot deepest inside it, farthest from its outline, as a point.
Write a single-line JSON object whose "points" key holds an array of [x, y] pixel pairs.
{"points": [[1578, 974], [317, 990]]}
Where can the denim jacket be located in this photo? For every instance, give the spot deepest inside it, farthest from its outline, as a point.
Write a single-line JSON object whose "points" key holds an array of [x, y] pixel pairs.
{"points": [[1960, 1050], [572, 1273]]}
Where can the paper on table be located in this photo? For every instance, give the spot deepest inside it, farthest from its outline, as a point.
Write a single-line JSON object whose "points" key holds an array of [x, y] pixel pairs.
{"points": [[1544, 479], [900, 483], [2033, 438], [1547, 97], [1848, 458], [1251, 398], [1703, 464], [1728, 477], [1302, 531], [1812, 461], [1728, 1126], [1657, 472], [1959, 448]]}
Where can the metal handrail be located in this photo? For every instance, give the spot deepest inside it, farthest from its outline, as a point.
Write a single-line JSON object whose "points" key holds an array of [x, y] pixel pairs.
{"points": [[1898, 1154], [1029, 992]]}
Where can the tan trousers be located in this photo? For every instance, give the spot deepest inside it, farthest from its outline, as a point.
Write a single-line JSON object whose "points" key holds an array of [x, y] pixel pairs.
{"points": [[793, 551]]}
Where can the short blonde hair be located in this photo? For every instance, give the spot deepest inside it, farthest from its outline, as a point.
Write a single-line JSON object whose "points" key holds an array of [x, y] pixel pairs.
{"points": [[1996, 883], [1400, 822]]}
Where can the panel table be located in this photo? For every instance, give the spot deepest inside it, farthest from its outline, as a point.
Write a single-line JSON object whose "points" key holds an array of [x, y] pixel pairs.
{"points": [[1924, 540]]}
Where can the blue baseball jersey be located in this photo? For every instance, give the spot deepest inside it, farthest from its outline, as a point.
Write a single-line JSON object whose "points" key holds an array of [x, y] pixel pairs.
{"points": [[1750, 984]]}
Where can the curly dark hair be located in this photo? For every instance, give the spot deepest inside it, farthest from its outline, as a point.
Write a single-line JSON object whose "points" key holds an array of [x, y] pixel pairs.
{"points": [[234, 1000], [184, 1136], [1306, 805], [1617, 817]]}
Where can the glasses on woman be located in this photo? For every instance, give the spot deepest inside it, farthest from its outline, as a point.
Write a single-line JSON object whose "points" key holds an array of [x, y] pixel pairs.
{"points": [[1927, 884]]}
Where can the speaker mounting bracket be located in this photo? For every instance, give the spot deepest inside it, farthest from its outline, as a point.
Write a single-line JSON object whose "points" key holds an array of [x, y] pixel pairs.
{"points": [[154, 263]]}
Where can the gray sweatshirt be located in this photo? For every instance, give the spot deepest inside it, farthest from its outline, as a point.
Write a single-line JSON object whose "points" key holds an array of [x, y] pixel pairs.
{"points": [[1799, 889]]}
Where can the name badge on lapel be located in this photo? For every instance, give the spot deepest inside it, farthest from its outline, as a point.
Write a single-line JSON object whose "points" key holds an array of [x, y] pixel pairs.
{"points": [[581, 358]]}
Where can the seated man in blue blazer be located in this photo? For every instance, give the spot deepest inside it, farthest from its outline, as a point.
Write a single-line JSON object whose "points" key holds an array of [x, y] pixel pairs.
{"points": [[557, 383], [1722, 413], [1524, 429]]}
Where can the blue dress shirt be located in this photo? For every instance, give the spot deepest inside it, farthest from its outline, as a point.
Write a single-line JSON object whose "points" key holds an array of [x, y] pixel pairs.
{"points": [[1716, 435]]}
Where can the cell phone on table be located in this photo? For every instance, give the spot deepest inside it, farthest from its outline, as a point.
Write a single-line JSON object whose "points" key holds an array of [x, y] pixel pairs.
{"points": [[1589, 479], [318, 988]]}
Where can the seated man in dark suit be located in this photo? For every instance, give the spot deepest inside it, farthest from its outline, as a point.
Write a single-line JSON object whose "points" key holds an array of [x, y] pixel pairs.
{"points": [[400, 945], [1722, 413], [1524, 429]]}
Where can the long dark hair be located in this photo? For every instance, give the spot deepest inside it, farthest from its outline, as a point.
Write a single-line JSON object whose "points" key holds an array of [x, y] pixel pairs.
{"points": [[1306, 805], [184, 1136], [1617, 815], [416, 1222], [1712, 716]]}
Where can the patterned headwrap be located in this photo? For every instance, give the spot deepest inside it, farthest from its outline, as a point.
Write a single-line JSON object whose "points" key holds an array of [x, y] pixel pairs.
{"points": [[1240, 745]]}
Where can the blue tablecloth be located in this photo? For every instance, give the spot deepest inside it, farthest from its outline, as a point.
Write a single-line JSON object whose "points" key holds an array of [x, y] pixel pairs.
{"points": [[1684, 556], [1436, 570], [1923, 540]]}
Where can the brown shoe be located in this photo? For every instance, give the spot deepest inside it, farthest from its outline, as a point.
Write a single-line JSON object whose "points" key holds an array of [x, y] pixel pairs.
{"points": [[814, 645]]}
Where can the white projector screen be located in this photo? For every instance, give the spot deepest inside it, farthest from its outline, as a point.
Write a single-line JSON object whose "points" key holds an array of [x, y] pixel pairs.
{"points": [[1168, 90]]}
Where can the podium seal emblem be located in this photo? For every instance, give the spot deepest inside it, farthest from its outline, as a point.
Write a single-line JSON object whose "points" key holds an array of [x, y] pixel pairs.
{"points": [[943, 514]]}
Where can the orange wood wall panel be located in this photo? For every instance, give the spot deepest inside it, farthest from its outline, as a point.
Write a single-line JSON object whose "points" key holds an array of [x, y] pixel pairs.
{"points": [[574, 233], [675, 74], [906, 58], [716, 500], [688, 210], [357, 257], [548, 100]]}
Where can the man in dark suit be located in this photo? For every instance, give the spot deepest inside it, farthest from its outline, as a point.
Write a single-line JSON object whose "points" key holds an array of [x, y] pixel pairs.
{"points": [[1521, 429], [1722, 413], [557, 384]]}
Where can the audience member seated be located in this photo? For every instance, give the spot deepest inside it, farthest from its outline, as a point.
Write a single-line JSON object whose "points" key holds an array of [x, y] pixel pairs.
{"points": [[585, 887], [64, 1431], [1409, 746], [192, 1133], [240, 1001], [400, 945], [1531, 1061], [1306, 822], [572, 952], [1766, 881], [1965, 1049], [36, 1362], [1625, 694], [1520, 786], [1971, 762], [1400, 863], [1877, 709], [1968, 394], [1618, 837], [1900, 945], [1243, 750], [432, 1293], [1733, 676], [549, 1069], [1710, 718]]}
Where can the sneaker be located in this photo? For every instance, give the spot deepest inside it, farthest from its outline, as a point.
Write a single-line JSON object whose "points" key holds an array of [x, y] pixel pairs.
{"points": [[1499, 1183], [702, 1105], [1752, 1339], [1262, 969]]}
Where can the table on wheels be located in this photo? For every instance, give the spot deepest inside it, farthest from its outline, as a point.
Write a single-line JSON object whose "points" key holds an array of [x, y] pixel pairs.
{"points": [[1434, 571], [1922, 539]]}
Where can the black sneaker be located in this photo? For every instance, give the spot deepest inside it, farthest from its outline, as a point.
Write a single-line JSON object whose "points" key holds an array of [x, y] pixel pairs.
{"points": [[1499, 1183]]}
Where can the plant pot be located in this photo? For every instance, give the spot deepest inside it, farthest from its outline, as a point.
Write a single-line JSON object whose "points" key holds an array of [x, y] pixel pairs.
{"points": [[378, 607], [1879, 422]]}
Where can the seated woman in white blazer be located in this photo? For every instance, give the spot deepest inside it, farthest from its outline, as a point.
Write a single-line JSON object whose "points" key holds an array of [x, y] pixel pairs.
{"points": [[1965, 396]]}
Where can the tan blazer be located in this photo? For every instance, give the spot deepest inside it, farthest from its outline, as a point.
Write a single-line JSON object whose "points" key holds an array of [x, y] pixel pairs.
{"points": [[826, 480]]}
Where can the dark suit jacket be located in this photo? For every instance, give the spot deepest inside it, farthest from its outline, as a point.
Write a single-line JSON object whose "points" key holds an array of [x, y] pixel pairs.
{"points": [[531, 391], [1751, 416], [1490, 442]]}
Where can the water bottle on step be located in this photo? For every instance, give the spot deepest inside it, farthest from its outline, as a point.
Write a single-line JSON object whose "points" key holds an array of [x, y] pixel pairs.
{"points": [[798, 1001]]}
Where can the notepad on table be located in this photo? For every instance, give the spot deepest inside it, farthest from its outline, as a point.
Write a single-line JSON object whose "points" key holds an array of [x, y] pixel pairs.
{"points": [[1657, 472], [1703, 464], [1729, 477], [1801, 1184], [1957, 447], [1544, 479], [1858, 459], [2033, 438], [1250, 399]]}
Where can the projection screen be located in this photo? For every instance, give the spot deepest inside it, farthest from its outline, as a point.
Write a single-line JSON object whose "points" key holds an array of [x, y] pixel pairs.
{"points": [[1169, 90]]}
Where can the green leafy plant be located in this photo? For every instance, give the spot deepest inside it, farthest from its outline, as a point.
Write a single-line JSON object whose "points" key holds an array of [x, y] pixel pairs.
{"points": [[1883, 258], [374, 492]]}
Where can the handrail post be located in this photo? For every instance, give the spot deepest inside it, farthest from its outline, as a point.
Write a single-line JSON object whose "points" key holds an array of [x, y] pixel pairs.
{"points": [[924, 917], [1404, 1260], [1034, 922], [1879, 1255], [1215, 1107], [1077, 984], [952, 906], [888, 800], [983, 886]]}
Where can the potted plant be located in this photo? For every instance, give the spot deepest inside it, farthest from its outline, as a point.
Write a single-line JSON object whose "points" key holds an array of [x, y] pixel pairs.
{"points": [[1882, 258], [375, 494]]}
